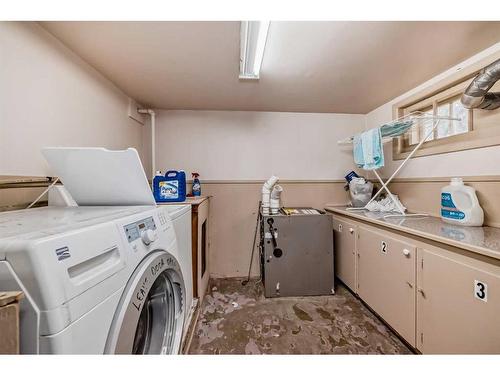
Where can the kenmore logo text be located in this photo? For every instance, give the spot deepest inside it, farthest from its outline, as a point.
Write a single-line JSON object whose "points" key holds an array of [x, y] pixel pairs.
{"points": [[62, 253]]}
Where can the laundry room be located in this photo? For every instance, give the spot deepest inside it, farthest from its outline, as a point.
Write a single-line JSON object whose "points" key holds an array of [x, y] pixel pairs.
{"points": [[239, 182]]}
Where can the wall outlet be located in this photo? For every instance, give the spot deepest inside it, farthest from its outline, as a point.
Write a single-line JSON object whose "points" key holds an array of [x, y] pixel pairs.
{"points": [[132, 111]]}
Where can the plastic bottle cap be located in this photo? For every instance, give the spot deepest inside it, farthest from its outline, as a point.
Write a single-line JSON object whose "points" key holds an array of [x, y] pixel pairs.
{"points": [[457, 181]]}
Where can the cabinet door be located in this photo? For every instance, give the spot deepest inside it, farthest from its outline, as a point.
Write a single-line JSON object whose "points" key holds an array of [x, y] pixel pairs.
{"points": [[345, 252], [458, 302], [203, 249], [386, 278]]}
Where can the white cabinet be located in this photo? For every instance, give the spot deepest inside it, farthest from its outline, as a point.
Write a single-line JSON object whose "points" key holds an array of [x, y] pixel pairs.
{"points": [[439, 298], [345, 232], [458, 302], [386, 278]]}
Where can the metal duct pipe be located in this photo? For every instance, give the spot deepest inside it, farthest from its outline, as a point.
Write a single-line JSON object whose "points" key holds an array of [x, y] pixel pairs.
{"points": [[477, 95]]}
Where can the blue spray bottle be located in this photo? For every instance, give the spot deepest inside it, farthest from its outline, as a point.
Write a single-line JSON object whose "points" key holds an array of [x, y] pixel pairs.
{"points": [[196, 185]]}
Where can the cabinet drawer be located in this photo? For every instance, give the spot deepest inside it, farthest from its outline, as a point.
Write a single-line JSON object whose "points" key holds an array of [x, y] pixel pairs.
{"points": [[386, 278], [458, 303], [345, 251]]}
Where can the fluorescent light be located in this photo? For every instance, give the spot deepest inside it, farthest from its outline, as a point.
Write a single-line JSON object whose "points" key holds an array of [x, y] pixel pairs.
{"points": [[253, 36]]}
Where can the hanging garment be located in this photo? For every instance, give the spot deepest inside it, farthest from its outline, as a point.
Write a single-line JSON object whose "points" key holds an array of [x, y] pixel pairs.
{"points": [[368, 151]]}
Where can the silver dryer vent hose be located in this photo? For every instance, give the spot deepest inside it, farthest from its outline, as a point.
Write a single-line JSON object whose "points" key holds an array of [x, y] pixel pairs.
{"points": [[477, 95]]}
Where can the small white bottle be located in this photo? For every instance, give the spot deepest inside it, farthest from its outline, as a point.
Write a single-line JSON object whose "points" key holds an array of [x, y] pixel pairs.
{"points": [[459, 204]]}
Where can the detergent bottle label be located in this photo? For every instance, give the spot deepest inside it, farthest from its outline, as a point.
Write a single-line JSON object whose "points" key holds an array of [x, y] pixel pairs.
{"points": [[452, 214], [447, 201], [169, 189], [448, 208]]}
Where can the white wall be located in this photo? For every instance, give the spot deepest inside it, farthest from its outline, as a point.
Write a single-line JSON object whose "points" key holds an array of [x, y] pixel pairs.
{"points": [[225, 145], [476, 162], [50, 97]]}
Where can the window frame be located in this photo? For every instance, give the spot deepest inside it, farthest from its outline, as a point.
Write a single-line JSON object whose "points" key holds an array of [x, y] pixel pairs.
{"points": [[437, 101], [441, 91]]}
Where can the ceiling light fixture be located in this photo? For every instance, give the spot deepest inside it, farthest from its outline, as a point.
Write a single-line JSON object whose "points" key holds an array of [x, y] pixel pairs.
{"points": [[253, 36]]}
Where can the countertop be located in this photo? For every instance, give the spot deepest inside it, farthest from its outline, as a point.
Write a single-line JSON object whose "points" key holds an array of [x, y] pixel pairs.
{"points": [[481, 240], [193, 201]]}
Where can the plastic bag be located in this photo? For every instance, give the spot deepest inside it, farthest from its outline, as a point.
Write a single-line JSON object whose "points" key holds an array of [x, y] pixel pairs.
{"points": [[386, 205], [361, 191]]}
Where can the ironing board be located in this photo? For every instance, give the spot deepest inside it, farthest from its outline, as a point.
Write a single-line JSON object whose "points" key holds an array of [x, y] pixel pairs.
{"points": [[394, 129]]}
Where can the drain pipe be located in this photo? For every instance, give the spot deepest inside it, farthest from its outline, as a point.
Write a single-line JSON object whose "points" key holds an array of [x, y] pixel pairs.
{"points": [[266, 194], [275, 199], [153, 138]]}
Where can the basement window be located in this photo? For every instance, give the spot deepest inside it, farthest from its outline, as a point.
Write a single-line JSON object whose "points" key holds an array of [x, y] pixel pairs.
{"points": [[450, 107], [476, 129]]}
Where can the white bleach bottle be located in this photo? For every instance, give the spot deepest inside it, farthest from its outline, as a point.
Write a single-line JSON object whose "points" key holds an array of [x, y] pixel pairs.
{"points": [[459, 204]]}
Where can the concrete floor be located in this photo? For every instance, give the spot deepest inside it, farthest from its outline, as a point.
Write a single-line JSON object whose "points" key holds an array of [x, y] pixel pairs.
{"points": [[236, 319]]}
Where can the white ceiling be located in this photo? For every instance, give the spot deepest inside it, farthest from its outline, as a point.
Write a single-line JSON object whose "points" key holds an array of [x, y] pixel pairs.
{"points": [[342, 67]]}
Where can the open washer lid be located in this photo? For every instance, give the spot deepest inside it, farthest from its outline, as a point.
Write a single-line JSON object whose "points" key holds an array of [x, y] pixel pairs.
{"points": [[95, 176]]}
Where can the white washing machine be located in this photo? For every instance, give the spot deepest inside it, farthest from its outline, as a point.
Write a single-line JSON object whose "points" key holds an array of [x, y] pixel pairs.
{"points": [[96, 279], [181, 219]]}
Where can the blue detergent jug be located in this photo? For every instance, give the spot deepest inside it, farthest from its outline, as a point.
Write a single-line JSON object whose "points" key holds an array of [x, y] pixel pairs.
{"points": [[171, 187]]}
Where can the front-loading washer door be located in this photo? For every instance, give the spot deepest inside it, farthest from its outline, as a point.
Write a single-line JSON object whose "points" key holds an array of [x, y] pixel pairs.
{"points": [[150, 316]]}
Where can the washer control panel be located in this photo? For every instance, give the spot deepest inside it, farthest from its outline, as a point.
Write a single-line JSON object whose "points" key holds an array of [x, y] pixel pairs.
{"points": [[133, 231]]}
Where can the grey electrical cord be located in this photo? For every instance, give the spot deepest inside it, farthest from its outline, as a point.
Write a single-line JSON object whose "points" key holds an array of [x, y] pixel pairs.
{"points": [[44, 192]]}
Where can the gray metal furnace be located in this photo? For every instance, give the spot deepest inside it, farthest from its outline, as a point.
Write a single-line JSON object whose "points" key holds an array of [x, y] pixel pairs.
{"points": [[297, 253]]}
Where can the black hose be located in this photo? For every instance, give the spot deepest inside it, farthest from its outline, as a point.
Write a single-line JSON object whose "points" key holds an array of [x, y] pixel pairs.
{"points": [[270, 221]]}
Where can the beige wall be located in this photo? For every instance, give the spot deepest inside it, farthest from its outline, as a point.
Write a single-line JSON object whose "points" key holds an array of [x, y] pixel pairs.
{"points": [[230, 148], [424, 195], [476, 162], [233, 210], [231, 145], [420, 181], [50, 97]]}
